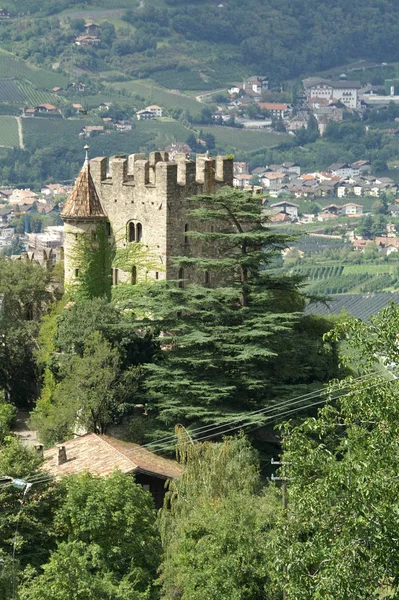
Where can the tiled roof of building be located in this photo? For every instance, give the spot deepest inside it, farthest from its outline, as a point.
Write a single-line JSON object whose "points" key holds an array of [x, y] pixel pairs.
{"points": [[83, 202], [102, 455]]}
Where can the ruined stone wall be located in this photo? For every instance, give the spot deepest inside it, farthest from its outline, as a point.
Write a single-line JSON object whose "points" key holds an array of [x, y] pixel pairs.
{"points": [[154, 193]]}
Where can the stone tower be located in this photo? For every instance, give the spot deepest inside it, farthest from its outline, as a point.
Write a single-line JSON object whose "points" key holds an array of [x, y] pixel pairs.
{"points": [[81, 214], [144, 201]]}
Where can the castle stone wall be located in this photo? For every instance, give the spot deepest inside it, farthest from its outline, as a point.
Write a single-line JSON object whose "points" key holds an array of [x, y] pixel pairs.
{"points": [[153, 192]]}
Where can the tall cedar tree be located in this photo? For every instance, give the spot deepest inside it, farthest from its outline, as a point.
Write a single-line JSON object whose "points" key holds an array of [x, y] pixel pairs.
{"points": [[220, 341]]}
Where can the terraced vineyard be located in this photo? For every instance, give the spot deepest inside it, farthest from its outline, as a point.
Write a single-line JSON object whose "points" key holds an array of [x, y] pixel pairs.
{"points": [[9, 132], [37, 132], [23, 93], [33, 96], [9, 92], [12, 67]]}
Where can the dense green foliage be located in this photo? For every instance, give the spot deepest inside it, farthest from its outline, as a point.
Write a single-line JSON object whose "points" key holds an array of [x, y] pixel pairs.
{"points": [[107, 546], [223, 346], [25, 294], [216, 525], [340, 537]]}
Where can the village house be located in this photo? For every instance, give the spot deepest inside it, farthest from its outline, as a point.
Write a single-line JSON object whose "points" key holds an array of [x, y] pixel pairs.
{"points": [[91, 130], [286, 207], [54, 189], [178, 148], [92, 29], [361, 166], [296, 123], [87, 40], [342, 170], [272, 180], [241, 167], [4, 14], [342, 90], [256, 84], [351, 209], [6, 216], [45, 108], [156, 110], [52, 237], [57, 89], [103, 455], [278, 110], [145, 115], [242, 180]]}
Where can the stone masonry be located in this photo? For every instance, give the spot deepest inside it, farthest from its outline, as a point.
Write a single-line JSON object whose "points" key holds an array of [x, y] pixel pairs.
{"points": [[146, 200]]}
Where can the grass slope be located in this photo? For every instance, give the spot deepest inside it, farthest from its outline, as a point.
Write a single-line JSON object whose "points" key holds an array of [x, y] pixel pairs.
{"points": [[230, 139], [159, 96], [12, 67], [9, 132]]}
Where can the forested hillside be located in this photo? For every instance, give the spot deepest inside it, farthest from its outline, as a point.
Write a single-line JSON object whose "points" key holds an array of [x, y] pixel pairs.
{"points": [[280, 38]]}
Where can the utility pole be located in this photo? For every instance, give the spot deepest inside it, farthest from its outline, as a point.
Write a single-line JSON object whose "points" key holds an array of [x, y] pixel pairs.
{"points": [[284, 490]]}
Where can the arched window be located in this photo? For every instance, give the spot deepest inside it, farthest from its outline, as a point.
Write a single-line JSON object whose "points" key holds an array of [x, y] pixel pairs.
{"points": [[180, 277], [185, 234], [132, 232], [134, 275], [139, 232]]}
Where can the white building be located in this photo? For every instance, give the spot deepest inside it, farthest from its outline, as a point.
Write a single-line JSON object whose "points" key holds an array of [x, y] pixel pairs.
{"points": [[156, 110], [333, 91]]}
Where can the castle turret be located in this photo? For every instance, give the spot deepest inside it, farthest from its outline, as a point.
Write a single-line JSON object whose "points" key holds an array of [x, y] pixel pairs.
{"points": [[82, 214]]}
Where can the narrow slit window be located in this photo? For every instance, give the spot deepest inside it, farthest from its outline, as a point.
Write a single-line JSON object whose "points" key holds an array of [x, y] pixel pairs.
{"points": [[185, 234], [134, 275], [207, 278]]}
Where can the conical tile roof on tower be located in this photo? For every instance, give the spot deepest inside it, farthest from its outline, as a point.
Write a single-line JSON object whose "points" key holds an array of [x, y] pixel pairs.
{"points": [[83, 202]]}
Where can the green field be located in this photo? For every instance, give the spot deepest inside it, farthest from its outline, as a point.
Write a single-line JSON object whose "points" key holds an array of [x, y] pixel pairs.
{"points": [[146, 136], [230, 139], [10, 92], [154, 94], [9, 132], [33, 97], [42, 133], [12, 67]]}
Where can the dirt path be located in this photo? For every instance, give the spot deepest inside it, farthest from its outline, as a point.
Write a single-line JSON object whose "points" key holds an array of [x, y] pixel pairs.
{"points": [[200, 97], [22, 430], [20, 134]]}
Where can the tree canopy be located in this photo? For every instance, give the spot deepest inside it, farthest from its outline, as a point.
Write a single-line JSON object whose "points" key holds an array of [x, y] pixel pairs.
{"points": [[340, 529]]}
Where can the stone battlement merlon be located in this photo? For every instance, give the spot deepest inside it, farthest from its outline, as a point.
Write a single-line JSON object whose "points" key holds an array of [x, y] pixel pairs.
{"points": [[205, 172]]}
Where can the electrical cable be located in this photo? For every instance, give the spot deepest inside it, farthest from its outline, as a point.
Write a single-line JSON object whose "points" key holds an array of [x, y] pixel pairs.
{"points": [[168, 442]]}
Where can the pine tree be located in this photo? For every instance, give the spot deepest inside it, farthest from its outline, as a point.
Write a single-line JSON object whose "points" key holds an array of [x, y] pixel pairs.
{"points": [[220, 343]]}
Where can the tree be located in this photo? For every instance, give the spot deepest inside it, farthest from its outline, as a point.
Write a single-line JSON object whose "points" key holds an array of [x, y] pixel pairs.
{"points": [[24, 287], [94, 392], [89, 560], [340, 532], [221, 344], [25, 527], [216, 525]]}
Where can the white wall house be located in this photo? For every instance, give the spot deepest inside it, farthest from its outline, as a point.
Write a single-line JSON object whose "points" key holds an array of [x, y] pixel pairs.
{"points": [[333, 91]]}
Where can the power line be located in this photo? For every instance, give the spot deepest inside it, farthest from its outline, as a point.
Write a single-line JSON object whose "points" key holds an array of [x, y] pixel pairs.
{"points": [[271, 414]]}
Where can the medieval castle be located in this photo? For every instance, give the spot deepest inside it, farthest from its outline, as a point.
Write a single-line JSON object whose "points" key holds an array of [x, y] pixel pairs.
{"points": [[141, 200]]}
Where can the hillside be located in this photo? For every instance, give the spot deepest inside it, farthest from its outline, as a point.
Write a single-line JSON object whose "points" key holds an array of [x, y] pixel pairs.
{"points": [[200, 44]]}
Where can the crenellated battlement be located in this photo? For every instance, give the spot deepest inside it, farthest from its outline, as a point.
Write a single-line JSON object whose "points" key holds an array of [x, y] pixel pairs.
{"points": [[147, 199], [203, 175]]}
